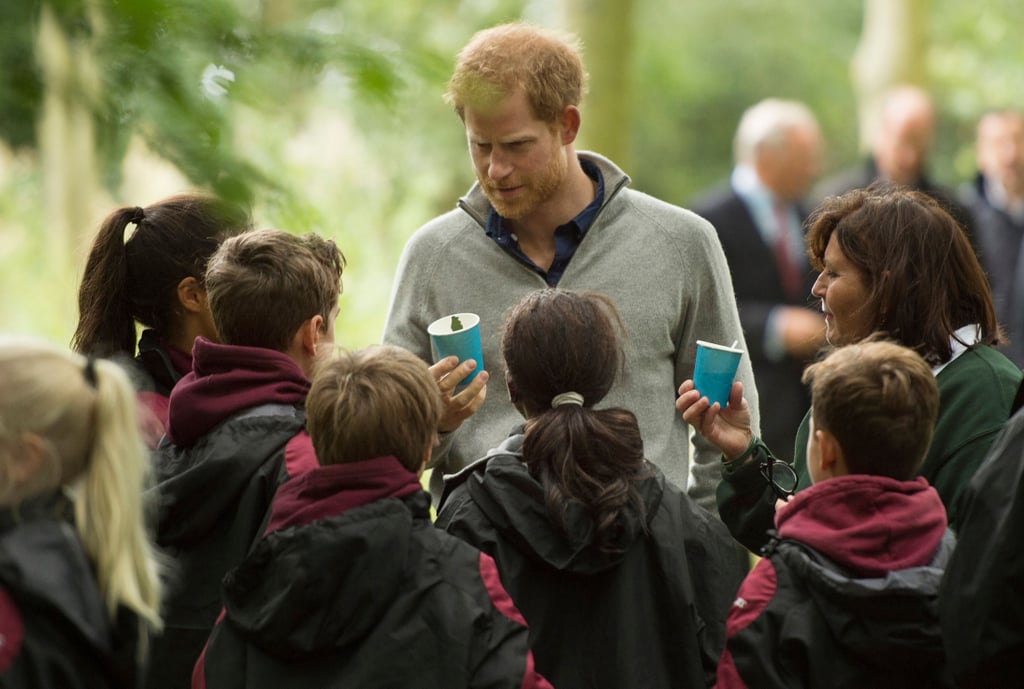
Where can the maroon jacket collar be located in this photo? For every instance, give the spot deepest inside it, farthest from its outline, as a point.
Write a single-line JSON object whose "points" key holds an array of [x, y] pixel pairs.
{"points": [[227, 379], [327, 491], [871, 524]]}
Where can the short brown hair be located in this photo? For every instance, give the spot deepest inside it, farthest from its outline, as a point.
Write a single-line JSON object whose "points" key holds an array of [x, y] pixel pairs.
{"points": [[496, 62], [375, 402], [924, 280], [879, 399], [263, 285]]}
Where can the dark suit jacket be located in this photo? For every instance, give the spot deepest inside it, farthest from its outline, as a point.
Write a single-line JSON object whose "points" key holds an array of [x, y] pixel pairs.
{"points": [[758, 286], [999, 241]]}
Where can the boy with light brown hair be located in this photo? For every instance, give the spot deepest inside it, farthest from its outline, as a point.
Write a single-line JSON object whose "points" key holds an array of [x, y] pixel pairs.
{"points": [[847, 592], [235, 423], [351, 585]]}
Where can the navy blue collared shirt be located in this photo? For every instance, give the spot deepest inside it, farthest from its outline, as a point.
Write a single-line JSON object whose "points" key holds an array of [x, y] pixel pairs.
{"points": [[567, 236]]}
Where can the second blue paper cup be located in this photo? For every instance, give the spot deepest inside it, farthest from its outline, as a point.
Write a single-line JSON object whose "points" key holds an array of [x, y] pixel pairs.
{"points": [[714, 371]]}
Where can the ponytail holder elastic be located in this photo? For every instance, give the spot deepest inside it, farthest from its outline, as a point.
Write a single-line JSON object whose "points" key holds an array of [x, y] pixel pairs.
{"points": [[138, 215], [567, 398], [90, 372]]}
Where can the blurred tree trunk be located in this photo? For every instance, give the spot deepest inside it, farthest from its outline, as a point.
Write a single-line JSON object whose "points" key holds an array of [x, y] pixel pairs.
{"points": [[892, 50], [67, 138], [606, 29], [277, 12]]}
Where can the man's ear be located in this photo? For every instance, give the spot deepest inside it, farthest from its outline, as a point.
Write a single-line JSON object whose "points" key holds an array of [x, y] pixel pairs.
{"points": [[192, 296], [569, 124]]}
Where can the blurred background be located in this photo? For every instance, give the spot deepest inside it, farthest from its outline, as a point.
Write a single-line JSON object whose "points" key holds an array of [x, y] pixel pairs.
{"points": [[328, 116]]}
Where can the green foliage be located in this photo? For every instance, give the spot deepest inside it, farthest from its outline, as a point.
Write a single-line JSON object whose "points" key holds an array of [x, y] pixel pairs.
{"points": [[329, 115], [976, 65], [700, 65], [177, 71], [160, 60], [328, 118], [21, 85]]}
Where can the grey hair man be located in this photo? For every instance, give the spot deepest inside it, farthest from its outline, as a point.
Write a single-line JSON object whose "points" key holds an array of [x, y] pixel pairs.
{"points": [[759, 216]]}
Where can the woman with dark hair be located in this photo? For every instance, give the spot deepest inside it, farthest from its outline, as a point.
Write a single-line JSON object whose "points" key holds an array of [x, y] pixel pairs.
{"points": [[154, 278], [893, 262], [622, 579]]}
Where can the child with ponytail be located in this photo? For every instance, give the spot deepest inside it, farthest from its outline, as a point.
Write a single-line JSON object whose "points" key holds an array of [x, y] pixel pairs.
{"points": [[79, 588], [622, 579], [154, 278]]}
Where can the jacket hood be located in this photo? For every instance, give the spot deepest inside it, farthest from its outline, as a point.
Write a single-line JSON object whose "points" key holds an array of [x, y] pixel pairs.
{"points": [[868, 524], [327, 491], [333, 562], [513, 501], [880, 548], [226, 379]]}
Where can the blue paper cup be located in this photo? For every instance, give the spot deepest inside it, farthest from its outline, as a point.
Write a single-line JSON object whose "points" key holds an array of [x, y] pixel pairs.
{"points": [[714, 371], [458, 335]]}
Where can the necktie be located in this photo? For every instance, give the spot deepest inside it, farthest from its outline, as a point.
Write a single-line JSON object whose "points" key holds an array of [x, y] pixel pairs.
{"points": [[789, 273]]}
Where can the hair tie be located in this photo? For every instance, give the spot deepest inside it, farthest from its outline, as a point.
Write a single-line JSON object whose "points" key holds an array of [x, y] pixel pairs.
{"points": [[567, 398], [90, 372], [138, 215]]}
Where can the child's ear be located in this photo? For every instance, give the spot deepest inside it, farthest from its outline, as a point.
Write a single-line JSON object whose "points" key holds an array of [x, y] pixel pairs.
{"points": [[513, 393], [311, 332], [830, 455], [426, 460], [192, 296], [28, 461]]}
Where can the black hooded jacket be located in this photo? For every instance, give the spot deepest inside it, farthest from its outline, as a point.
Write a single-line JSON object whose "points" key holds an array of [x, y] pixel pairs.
{"points": [[235, 434], [846, 595], [651, 616], [353, 587], [982, 599], [54, 627]]}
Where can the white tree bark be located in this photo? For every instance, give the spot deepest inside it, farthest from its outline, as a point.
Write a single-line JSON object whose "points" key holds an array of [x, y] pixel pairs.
{"points": [[67, 140], [892, 50]]}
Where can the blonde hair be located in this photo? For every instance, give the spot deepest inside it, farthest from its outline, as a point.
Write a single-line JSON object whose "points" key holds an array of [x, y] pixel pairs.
{"points": [[84, 415], [378, 401]]}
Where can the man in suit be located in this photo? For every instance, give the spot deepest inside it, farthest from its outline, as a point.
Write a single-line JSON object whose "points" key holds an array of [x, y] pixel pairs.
{"points": [[996, 200], [759, 220], [899, 153]]}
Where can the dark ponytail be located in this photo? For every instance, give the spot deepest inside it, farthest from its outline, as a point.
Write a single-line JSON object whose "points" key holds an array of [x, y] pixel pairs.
{"points": [[587, 460], [137, 280], [105, 322]]}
